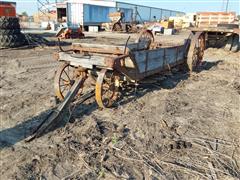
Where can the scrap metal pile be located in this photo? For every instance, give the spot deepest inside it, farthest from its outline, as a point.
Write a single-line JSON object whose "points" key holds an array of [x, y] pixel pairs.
{"points": [[118, 24]]}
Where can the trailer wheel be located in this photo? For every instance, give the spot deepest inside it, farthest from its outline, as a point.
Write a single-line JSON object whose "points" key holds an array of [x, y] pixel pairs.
{"points": [[106, 91], [229, 43], [235, 43], [196, 50], [64, 79]]}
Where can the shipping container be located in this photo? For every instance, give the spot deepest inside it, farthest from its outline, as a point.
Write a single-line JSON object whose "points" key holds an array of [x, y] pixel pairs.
{"points": [[74, 14]]}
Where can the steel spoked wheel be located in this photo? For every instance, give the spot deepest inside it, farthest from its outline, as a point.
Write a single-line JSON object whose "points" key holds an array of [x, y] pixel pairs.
{"points": [[145, 35], [106, 89], [65, 77], [196, 51]]}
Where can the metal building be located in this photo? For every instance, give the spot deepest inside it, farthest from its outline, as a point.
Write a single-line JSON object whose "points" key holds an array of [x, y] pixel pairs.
{"points": [[95, 12]]}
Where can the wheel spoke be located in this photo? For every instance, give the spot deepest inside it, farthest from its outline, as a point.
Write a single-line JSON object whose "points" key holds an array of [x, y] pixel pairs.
{"points": [[64, 89], [67, 75], [64, 79]]}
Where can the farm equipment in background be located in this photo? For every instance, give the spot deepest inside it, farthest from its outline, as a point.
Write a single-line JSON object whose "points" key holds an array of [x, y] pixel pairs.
{"points": [[221, 29], [111, 68], [70, 33], [117, 24]]}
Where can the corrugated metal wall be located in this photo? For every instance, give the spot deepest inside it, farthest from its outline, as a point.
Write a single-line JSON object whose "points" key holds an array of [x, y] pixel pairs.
{"points": [[145, 13], [96, 14], [128, 14]]}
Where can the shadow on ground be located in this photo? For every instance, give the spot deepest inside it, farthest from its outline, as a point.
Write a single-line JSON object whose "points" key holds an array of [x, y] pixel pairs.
{"points": [[10, 136]]}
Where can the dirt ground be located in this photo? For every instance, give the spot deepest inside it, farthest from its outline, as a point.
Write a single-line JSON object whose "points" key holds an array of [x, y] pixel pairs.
{"points": [[184, 127]]}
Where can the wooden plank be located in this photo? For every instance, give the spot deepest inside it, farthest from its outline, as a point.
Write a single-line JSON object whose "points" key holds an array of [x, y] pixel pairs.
{"points": [[211, 19], [102, 46], [149, 60], [171, 55], [155, 59], [110, 49], [100, 51], [83, 61], [98, 48], [180, 55], [216, 13], [140, 59], [212, 29], [138, 46]]}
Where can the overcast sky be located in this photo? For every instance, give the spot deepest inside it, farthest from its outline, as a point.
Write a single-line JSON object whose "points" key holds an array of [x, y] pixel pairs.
{"points": [[30, 6]]}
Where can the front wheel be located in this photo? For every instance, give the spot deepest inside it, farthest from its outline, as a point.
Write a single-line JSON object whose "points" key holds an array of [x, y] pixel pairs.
{"points": [[65, 77]]}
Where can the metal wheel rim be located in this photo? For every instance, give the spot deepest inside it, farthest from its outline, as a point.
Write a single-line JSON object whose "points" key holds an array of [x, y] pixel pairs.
{"points": [[64, 79], [146, 35], [196, 50], [105, 97]]}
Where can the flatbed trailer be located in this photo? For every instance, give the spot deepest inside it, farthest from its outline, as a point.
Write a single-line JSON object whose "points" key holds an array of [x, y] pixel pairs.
{"points": [[225, 35]]}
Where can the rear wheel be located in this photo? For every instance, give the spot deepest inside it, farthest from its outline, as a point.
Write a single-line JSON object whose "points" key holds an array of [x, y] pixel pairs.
{"points": [[106, 91], [196, 51], [145, 35]]}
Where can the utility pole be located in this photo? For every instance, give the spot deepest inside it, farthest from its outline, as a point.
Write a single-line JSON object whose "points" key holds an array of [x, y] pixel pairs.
{"points": [[227, 5]]}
